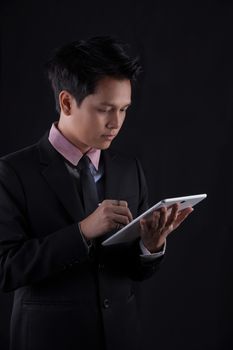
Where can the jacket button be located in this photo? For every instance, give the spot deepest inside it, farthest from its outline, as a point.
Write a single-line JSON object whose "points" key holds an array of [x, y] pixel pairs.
{"points": [[106, 303]]}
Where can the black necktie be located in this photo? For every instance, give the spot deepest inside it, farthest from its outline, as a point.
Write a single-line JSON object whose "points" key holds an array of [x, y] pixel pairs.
{"points": [[88, 186]]}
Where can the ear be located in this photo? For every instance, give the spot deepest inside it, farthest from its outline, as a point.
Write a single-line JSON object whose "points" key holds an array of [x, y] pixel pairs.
{"points": [[65, 101]]}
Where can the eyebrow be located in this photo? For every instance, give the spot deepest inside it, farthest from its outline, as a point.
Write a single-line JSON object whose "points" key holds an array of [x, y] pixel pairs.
{"points": [[112, 105]]}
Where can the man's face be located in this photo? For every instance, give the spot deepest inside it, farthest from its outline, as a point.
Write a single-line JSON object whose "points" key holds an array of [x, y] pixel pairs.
{"points": [[99, 118]]}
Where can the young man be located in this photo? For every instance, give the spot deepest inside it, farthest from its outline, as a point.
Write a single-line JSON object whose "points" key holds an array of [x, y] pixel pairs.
{"points": [[62, 196]]}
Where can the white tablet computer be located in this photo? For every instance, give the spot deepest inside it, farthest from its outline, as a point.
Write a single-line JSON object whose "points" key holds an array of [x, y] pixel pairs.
{"points": [[131, 231]]}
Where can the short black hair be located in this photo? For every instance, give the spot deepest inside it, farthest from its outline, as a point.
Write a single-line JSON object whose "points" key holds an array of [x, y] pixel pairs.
{"points": [[78, 66]]}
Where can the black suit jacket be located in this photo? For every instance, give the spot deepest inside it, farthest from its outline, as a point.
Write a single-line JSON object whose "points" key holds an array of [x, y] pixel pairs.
{"points": [[66, 297]]}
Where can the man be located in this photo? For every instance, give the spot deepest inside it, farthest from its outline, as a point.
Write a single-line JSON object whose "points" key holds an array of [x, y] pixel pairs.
{"points": [[61, 197]]}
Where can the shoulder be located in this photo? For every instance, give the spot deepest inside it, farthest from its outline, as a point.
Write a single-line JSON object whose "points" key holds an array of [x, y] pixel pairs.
{"points": [[21, 158], [15, 166], [20, 154], [122, 162], [120, 157], [25, 158], [25, 161]]}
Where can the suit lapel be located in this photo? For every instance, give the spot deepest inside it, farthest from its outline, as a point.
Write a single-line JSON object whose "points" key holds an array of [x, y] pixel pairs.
{"points": [[111, 174], [59, 179]]}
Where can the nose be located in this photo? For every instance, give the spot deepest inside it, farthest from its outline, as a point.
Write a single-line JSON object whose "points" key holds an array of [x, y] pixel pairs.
{"points": [[115, 120]]}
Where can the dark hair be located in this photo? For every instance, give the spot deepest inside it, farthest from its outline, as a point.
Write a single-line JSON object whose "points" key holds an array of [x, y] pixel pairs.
{"points": [[78, 66]]}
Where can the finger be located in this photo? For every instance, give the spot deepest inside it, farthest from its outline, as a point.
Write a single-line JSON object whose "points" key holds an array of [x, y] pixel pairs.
{"points": [[119, 203], [162, 217], [120, 219], [158, 219], [146, 226], [123, 211], [183, 214], [151, 222], [173, 215], [123, 204], [142, 225], [150, 218]]}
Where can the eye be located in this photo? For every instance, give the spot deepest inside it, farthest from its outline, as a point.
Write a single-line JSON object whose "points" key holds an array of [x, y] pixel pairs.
{"points": [[124, 110], [103, 110]]}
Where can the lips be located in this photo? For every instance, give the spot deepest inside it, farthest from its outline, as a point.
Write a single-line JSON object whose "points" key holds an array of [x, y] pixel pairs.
{"points": [[109, 137]]}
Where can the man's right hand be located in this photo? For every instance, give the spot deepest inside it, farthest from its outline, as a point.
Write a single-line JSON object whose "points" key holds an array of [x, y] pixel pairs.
{"points": [[110, 215]]}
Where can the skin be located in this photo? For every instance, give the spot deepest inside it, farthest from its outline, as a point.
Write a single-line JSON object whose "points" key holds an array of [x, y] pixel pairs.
{"points": [[94, 124]]}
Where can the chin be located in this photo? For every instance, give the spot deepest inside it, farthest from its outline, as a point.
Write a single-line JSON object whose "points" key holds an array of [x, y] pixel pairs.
{"points": [[103, 146]]}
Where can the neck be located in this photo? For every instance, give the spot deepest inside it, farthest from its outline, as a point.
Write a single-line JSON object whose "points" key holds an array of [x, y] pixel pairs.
{"points": [[81, 146]]}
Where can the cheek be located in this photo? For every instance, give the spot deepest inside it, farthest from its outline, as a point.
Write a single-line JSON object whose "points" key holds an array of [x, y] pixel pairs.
{"points": [[94, 126], [84, 123], [122, 120], [97, 122]]}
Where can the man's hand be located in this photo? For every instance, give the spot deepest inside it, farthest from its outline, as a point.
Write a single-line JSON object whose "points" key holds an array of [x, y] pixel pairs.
{"points": [[110, 215], [160, 224]]}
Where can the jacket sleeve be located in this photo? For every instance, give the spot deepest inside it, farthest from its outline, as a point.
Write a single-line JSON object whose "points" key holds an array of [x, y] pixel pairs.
{"points": [[145, 267], [23, 259], [127, 256]]}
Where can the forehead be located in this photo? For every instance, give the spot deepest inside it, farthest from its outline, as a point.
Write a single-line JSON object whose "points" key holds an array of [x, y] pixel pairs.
{"points": [[112, 91]]}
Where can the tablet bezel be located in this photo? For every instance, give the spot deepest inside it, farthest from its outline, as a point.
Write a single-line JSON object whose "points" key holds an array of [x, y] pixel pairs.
{"points": [[127, 234]]}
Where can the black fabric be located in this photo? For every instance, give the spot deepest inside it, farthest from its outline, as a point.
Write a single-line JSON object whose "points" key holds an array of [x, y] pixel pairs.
{"points": [[88, 186], [62, 295]]}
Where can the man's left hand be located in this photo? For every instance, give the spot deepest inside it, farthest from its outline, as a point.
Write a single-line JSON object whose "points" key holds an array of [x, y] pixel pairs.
{"points": [[156, 228]]}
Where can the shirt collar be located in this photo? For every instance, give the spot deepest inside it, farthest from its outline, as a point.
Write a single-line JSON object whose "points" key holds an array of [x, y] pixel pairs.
{"points": [[68, 150]]}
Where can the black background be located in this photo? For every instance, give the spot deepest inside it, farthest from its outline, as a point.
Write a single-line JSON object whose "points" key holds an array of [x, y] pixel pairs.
{"points": [[180, 126]]}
